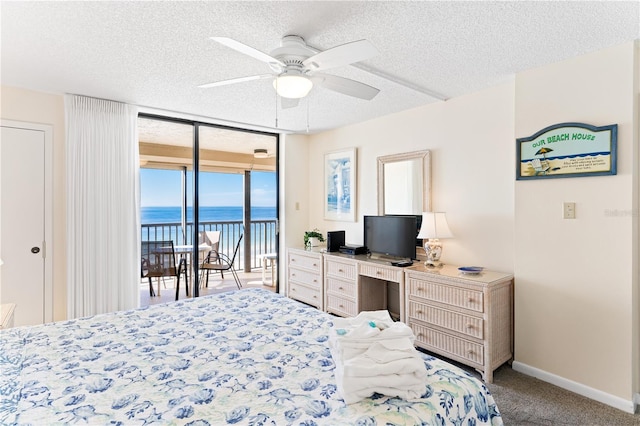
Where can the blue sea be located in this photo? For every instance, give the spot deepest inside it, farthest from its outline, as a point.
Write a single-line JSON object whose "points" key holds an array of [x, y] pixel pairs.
{"points": [[151, 215]]}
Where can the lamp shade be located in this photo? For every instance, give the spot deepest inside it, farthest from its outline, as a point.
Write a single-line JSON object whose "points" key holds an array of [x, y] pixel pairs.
{"points": [[434, 225], [294, 86]]}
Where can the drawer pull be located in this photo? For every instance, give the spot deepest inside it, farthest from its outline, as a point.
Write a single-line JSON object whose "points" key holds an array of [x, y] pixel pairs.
{"points": [[340, 270], [315, 264], [378, 272], [315, 297], [342, 306], [293, 274], [470, 300], [470, 352], [340, 288], [419, 312], [469, 326]]}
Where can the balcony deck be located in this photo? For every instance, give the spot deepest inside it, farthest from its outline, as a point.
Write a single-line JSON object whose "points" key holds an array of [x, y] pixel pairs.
{"points": [[251, 279]]}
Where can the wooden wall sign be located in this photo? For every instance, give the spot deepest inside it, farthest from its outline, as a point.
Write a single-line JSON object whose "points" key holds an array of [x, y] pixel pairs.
{"points": [[567, 150]]}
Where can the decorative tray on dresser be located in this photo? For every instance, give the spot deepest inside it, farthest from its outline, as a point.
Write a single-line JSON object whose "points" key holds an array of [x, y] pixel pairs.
{"points": [[467, 317], [305, 276]]}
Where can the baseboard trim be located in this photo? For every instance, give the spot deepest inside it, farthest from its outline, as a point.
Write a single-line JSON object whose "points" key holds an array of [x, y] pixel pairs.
{"points": [[580, 389], [636, 403]]}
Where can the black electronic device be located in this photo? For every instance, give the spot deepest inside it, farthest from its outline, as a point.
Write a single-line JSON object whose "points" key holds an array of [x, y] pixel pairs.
{"points": [[392, 235], [353, 250], [402, 263], [335, 240]]}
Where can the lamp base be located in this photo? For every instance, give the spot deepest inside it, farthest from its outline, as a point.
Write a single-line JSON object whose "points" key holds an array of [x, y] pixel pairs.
{"points": [[433, 250]]}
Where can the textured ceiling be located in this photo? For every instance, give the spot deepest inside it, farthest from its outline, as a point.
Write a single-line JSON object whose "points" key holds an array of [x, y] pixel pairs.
{"points": [[154, 53]]}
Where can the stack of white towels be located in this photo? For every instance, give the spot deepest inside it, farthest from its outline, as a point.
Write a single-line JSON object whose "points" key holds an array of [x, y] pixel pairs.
{"points": [[373, 353]]}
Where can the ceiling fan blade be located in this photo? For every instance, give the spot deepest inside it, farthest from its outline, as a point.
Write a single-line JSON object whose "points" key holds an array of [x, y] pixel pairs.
{"points": [[346, 86], [289, 102], [248, 50], [235, 80], [344, 54]]}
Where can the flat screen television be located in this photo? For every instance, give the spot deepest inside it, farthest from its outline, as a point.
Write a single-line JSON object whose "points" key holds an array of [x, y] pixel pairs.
{"points": [[393, 235]]}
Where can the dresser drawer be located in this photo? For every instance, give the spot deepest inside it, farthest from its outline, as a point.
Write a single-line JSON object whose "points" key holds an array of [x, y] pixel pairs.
{"points": [[380, 272], [309, 261], [342, 270], [465, 324], [450, 295], [305, 294], [341, 306], [341, 288], [447, 344], [310, 278]]}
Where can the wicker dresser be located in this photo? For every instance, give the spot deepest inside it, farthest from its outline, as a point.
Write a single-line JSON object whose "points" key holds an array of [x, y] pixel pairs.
{"points": [[341, 286], [467, 318], [305, 277]]}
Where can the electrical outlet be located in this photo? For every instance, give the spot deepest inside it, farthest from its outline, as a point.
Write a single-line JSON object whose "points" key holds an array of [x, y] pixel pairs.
{"points": [[568, 210]]}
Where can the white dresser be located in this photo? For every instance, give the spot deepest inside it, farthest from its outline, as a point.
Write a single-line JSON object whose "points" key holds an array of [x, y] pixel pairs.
{"points": [[467, 318], [305, 277]]}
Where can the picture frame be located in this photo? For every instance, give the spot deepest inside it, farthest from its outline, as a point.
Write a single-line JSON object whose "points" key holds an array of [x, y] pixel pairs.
{"points": [[567, 150], [340, 185]]}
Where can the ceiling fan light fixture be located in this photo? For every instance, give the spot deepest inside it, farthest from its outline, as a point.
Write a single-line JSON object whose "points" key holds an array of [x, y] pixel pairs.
{"points": [[292, 86], [260, 153]]}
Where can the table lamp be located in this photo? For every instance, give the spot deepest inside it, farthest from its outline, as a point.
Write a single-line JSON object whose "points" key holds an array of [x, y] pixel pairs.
{"points": [[434, 226]]}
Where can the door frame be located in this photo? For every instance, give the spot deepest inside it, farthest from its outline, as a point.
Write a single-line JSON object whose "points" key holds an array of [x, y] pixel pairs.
{"points": [[47, 244]]}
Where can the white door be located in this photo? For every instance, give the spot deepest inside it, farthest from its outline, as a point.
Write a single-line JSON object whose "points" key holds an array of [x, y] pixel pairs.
{"points": [[25, 273]]}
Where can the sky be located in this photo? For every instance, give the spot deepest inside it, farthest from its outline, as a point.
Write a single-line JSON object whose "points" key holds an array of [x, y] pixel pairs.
{"points": [[161, 188]]}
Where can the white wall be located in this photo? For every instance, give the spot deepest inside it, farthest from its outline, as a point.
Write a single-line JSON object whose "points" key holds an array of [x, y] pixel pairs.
{"points": [[471, 139], [294, 196], [575, 280], [37, 107]]}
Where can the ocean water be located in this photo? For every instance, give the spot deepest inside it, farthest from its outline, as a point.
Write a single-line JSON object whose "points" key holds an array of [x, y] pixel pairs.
{"points": [[151, 215]]}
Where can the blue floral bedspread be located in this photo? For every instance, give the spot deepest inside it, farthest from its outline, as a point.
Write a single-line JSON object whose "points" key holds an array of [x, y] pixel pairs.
{"points": [[247, 357]]}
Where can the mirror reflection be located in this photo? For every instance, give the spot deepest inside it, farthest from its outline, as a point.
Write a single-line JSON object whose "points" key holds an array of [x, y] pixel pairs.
{"points": [[404, 185]]}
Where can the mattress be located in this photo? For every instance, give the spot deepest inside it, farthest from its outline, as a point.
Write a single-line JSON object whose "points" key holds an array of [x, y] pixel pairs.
{"points": [[248, 357]]}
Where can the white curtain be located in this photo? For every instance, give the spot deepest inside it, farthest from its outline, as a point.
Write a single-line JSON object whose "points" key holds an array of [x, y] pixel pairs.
{"points": [[103, 248]]}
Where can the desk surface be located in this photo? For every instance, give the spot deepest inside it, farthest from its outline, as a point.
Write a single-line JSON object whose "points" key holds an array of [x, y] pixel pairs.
{"points": [[446, 270]]}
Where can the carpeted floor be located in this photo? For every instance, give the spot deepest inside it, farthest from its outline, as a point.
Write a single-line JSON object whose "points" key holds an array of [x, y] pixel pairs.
{"points": [[525, 400]]}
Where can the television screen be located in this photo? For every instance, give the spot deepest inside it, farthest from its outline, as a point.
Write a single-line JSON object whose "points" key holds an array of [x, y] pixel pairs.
{"points": [[393, 236]]}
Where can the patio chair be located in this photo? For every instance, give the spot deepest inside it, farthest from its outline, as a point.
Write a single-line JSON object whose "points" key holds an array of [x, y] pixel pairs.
{"points": [[212, 239], [159, 260], [224, 264]]}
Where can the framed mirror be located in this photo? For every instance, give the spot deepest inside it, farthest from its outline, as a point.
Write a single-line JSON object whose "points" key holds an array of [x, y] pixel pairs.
{"points": [[404, 183]]}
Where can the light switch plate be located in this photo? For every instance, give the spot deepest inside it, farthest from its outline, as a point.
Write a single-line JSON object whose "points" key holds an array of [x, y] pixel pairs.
{"points": [[568, 210]]}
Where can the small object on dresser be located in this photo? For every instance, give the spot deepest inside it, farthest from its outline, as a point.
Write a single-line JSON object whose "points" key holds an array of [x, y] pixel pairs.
{"points": [[470, 269]]}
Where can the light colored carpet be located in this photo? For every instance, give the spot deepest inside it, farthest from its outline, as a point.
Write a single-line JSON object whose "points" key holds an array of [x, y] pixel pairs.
{"points": [[524, 400]]}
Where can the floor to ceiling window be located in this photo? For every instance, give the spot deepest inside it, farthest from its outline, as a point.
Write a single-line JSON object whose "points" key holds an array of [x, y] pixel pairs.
{"points": [[235, 190]]}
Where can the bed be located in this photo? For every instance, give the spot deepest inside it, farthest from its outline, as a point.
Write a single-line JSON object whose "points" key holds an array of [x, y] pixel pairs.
{"points": [[244, 357]]}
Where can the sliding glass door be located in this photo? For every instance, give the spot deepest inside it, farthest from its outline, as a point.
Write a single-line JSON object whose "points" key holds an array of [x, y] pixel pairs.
{"points": [[205, 187]]}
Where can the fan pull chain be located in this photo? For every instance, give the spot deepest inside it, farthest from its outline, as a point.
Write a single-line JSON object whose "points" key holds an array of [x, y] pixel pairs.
{"points": [[307, 114]]}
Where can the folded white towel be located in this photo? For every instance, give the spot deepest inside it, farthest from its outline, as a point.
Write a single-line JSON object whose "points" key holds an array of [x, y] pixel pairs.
{"points": [[360, 377], [373, 353], [353, 336], [381, 359]]}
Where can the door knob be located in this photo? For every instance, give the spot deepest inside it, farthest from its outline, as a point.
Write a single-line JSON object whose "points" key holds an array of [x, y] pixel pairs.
{"points": [[35, 250]]}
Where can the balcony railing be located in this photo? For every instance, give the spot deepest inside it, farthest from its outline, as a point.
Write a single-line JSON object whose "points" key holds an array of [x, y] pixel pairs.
{"points": [[262, 234]]}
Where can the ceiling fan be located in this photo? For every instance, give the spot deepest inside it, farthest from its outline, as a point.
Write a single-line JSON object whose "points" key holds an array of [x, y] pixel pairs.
{"points": [[296, 67]]}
